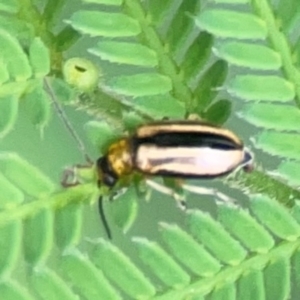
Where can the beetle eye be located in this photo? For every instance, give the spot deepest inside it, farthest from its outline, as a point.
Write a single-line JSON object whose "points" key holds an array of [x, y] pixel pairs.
{"points": [[109, 180], [105, 173]]}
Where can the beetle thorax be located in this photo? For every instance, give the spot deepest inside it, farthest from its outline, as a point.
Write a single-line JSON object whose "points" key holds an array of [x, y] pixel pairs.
{"points": [[120, 158]]}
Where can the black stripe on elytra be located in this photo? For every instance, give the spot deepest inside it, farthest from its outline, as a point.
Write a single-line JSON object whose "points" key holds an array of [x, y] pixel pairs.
{"points": [[174, 174], [187, 139]]}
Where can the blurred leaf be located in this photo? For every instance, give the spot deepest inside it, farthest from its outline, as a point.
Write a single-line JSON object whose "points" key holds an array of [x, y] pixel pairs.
{"points": [[158, 9], [138, 85], [125, 53], [197, 55], [182, 24], [120, 269], [38, 238], [96, 23], [37, 105], [283, 144], [161, 264], [160, 106], [39, 58], [275, 217], [249, 55], [68, 224], [15, 58], [272, 116], [8, 114], [124, 209], [10, 247], [226, 23], [88, 279], [256, 87], [102, 135], [24, 175], [49, 285], [218, 112], [207, 87]]}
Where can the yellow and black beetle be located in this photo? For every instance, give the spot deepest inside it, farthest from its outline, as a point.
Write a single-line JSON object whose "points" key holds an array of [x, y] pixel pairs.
{"points": [[182, 149], [185, 149]]}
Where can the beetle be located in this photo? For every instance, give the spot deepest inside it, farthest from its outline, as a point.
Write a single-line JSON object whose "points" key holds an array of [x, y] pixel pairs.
{"points": [[185, 149], [181, 149]]}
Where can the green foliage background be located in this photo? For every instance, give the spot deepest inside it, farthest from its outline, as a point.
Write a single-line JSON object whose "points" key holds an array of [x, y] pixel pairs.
{"points": [[233, 61]]}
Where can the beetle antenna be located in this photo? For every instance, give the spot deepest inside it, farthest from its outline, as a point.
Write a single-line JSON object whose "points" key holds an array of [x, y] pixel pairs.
{"points": [[103, 217], [65, 120]]}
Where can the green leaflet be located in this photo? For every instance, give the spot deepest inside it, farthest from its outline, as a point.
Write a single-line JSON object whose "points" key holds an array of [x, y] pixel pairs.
{"points": [[88, 279], [161, 264], [11, 196], [251, 286], [182, 24], [249, 55], [68, 225], [37, 105], [8, 113], [290, 172], [39, 58], [218, 112], [215, 238], [287, 14], [138, 85], [124, 209], [16, 27], [275, 217], [160, 106], [13, 291], [10, 242], [158, 9], [122, 271], [102, 135], [25, 176], [257, 87], [38, 238], [96, 23], [197, 55], [125, 53], [16, 60], [238, 222], [225, 291], [189, 252], [206, 89], [278, 271], [4, 76], [49, 285], [279, 143], [226, 23], [272, 116]]}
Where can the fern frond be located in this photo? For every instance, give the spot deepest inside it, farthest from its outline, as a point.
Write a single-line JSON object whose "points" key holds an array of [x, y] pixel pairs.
{"points": [[155, 55], [211, 265], [21, 75], [264, 60]]}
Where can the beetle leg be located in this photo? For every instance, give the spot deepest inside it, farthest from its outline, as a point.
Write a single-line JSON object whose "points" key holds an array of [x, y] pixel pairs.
{"points": [[70, 176], [207, 191], [180, 199]]}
